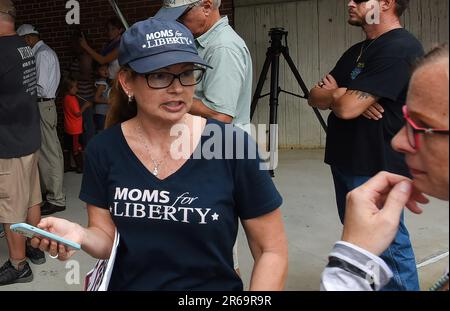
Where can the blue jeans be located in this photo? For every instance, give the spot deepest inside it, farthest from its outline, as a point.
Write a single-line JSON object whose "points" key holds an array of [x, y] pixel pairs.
{"points": [[400, 255]]}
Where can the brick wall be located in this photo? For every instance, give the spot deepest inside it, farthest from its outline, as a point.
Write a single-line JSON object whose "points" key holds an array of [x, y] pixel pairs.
{"points": [[49, 16]]}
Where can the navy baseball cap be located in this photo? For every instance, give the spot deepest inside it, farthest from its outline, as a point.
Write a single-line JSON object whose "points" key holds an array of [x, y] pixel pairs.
{"points": [[173, 9], [154, 43]]}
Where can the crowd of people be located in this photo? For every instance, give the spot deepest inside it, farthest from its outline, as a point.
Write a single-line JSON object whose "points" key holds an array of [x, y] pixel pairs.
{"points": [[33, 161], [186, 68]]}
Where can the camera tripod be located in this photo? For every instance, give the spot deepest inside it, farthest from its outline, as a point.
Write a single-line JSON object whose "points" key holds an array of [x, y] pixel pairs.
{"points": [[273, 61]]}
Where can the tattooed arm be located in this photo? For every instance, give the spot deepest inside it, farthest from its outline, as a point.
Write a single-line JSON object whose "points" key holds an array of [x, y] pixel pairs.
{"points": [[350, 104]]}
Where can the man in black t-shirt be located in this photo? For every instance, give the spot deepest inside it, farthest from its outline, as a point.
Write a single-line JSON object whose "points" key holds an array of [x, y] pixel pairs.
{"points": [[20, 193], [366, 91]]}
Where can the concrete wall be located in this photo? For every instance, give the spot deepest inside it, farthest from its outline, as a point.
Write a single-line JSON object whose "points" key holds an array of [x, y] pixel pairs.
{"points": [[318, 35]]}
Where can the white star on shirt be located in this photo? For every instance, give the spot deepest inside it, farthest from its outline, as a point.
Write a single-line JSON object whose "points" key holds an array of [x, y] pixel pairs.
{"points": [[215, 217]]}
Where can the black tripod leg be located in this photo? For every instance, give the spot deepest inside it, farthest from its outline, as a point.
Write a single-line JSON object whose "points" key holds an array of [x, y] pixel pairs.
{"points": [[274, 89], [302, 84], [260, 85], [273, 117]]}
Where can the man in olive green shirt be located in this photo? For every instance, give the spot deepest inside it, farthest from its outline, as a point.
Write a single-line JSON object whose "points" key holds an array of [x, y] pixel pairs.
{"points": [[225, 92]]}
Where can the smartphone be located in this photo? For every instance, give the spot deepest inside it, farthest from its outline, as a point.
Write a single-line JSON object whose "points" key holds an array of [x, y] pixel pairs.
{"points": [[31, 231]]}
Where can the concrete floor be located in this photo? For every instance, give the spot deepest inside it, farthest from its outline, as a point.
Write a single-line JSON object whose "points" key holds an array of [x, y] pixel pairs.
{"points": [[312, 226]]}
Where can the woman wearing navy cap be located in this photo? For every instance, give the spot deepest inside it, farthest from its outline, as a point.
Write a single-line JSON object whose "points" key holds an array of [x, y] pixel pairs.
{"points": [[166, 180]]}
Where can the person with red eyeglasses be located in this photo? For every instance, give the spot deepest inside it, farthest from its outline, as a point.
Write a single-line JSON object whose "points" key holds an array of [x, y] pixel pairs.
{"points": [[374, 209], [365, 92], [413, 131]]}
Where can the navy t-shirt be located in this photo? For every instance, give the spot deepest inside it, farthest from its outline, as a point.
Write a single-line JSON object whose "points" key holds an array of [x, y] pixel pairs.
{"points": [[177, 233], [362, 146], [20, 132]]}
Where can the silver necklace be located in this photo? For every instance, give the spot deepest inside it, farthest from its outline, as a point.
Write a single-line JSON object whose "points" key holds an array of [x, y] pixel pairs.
{"points": [[364, 49], [156, 164]]}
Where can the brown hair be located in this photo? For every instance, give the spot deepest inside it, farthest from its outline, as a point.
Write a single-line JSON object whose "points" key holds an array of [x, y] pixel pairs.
{"points": [[67, 84], [121, 109], [115, 22], [401, 6]]}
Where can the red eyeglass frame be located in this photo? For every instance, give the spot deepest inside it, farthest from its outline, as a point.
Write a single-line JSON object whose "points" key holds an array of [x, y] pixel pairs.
{"points": [[413, 131]]}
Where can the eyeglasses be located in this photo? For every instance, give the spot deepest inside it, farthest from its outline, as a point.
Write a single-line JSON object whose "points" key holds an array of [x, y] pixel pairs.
{"points": [[162, 80], [413, 130], [360, 1]]}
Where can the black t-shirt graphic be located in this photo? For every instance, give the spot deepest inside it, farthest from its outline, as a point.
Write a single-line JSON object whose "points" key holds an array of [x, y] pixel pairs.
{"points": [[20, 133], [177, 233], [362, 146]]}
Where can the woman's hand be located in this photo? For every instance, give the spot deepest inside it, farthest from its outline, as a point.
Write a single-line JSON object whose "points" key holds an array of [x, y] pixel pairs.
{"points": [[374, 209], [63, 228]]}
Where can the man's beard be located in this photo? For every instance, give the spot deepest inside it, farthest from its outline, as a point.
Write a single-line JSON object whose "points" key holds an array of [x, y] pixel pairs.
{"points": [[355, 22]]}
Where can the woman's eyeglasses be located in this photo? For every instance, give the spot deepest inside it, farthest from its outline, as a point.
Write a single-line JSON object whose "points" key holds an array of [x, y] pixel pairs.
{"points": [[413, 130], [162, 80]]}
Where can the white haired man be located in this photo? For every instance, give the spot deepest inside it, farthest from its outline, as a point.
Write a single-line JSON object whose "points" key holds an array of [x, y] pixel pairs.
{"points": [[51, 163], [225, 92]]}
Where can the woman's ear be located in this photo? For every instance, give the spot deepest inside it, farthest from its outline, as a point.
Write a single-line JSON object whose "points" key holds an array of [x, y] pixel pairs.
{"points": [[124, 78]]}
